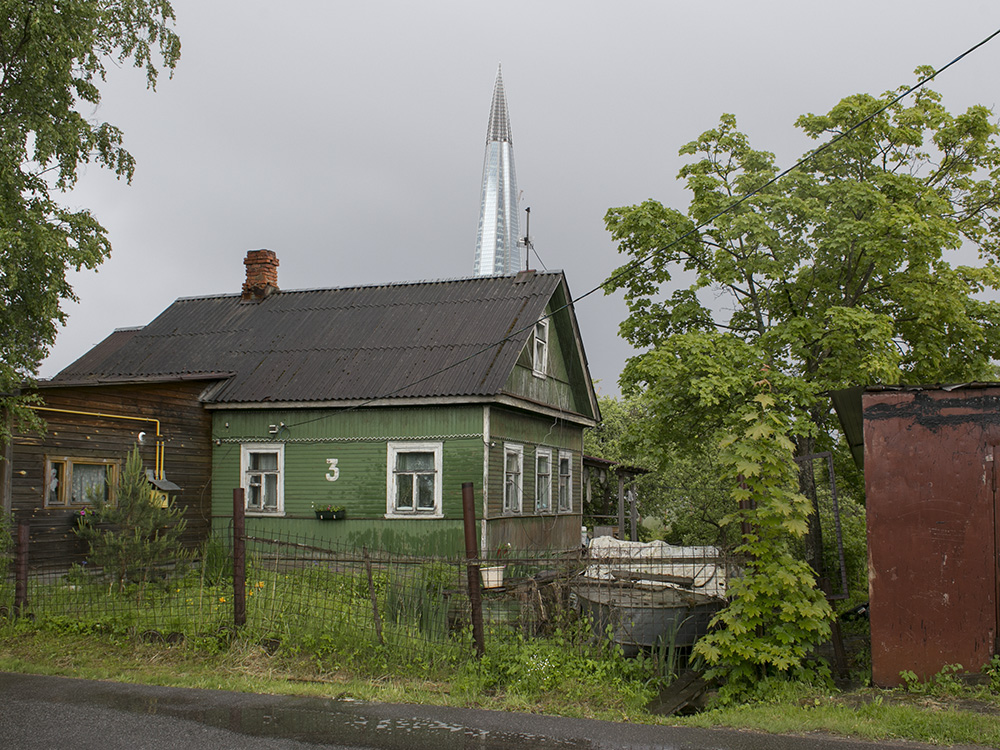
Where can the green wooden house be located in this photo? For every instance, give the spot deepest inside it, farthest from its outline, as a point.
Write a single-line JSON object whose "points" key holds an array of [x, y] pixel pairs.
{"points": [[382, 400]]}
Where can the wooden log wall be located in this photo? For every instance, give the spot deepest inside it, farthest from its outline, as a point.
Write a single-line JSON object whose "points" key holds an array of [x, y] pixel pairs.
{"points": [[185, 427]]}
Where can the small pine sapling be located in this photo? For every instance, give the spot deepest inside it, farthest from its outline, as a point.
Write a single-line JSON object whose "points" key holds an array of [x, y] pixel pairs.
{"points": [[134, 537]]}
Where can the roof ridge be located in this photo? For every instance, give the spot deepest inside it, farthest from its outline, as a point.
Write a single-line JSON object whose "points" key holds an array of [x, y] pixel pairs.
{"points": [[376, 285]]}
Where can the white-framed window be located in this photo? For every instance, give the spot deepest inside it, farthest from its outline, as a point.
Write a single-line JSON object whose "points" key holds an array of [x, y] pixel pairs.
{"points": [[540, 352], [543, 480], [513, 471], [565, 482], [262, 477], [414, 480], [79, 481]]}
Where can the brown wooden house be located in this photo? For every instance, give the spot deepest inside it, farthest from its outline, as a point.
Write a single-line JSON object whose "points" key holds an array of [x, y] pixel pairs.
{"points": [[90, 430]]}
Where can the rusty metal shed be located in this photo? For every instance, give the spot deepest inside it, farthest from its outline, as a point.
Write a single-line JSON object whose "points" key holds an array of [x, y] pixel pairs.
{"points": [[931, 479]]}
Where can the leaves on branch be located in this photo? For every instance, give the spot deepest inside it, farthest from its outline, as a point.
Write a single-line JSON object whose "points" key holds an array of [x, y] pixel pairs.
{"points": [[52, 58]]}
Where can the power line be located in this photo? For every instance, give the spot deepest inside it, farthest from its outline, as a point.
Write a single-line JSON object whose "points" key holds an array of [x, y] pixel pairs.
{"points": [[637, 262]]}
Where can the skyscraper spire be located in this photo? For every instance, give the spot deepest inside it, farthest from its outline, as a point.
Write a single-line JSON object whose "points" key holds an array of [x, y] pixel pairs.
{"points": [[497, 251]]}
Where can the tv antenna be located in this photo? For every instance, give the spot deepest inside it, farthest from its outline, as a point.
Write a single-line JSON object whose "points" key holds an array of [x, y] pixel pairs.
{"points": [[527, 244]]}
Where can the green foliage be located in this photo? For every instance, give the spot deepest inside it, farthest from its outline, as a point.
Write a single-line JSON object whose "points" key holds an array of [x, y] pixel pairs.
{"points": [[846, 271], [7, 549], [843, 272], [944, 683], [992, 670], [776, 614], [7, 543], [52, 58], [216, 561], [682, 498], [532, 668], [854, 532], [133, 538]]}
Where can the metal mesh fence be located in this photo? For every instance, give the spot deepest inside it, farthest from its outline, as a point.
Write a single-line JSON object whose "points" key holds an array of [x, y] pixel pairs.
{"points": [[350, 605]]}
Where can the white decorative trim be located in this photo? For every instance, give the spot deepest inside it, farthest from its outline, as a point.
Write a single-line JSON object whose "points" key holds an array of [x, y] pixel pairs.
{"points": [[363, 439]]}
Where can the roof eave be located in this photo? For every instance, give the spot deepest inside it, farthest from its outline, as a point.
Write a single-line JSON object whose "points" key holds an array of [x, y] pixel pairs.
{"points": [[132, 379]]}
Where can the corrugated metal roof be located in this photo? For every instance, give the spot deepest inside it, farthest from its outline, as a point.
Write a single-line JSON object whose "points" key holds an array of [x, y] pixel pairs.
{"points": [[420, 339]]}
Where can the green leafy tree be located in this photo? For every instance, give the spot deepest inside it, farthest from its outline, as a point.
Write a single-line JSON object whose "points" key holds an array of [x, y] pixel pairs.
{"points": [[52, 59], [776, 614], [843, 272], [683, 498], [134, 537]]}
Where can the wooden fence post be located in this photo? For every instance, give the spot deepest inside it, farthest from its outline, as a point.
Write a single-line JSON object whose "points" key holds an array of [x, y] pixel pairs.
{"points": [[472, 555], [21, 569], [372, 596], [239, 559]]}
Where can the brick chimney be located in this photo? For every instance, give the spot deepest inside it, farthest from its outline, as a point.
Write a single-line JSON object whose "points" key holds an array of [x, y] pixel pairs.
{"points": [[262, 275]]}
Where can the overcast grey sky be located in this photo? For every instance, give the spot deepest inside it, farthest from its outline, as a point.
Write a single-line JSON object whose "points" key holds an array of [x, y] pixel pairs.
{"points": [[348, 137]]}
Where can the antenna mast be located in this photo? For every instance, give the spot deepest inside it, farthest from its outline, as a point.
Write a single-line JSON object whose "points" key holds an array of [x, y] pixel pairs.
{"points": [[527, 238]]}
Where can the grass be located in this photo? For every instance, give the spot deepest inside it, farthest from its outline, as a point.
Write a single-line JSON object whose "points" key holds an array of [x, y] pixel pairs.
{"points": [[312, 632], [870, 714], [966, 715]]}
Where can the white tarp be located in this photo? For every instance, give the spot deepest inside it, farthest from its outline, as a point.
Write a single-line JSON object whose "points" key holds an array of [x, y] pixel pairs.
{"points": [[615, 559]]}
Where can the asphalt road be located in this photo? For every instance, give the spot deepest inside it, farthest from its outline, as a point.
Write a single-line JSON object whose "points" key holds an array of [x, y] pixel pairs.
{"points": [[39, 713]]}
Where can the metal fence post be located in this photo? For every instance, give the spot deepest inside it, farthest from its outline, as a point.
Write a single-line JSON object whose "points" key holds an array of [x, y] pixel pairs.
{"points": [[239, 559], [21, 569], [472, 555]]}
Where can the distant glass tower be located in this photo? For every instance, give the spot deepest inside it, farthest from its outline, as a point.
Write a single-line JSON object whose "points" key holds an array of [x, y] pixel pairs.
{"points": [[497, 249]]}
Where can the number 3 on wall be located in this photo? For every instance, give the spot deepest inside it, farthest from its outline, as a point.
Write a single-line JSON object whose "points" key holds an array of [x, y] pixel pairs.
{"points": [[334, 472]]}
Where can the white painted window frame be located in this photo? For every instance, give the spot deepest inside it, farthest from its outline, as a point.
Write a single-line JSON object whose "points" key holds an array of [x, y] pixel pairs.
{"points": [[567, 456], [393, 448], [541, 453], [540, 349], [245, 450], [510, 508]]}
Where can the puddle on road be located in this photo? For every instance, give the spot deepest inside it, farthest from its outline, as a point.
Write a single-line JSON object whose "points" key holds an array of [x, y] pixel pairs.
{"points": [[318, 721]]}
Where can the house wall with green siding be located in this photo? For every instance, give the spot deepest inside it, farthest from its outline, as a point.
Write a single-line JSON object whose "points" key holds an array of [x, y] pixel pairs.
{"points": [[357, 441], [565, 383], [529, 529]]}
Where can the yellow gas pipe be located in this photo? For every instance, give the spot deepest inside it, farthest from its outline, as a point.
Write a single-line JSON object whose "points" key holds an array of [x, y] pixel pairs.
{"points": [[159, 452]]}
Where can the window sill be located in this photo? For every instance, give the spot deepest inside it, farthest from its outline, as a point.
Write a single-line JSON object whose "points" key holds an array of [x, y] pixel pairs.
{"points": [[264, 514], [413, 516]]}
